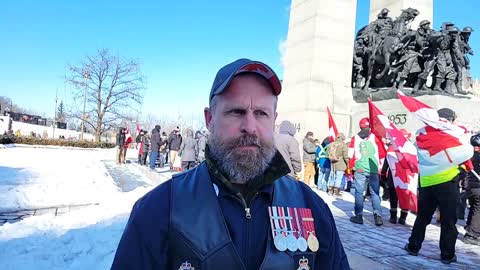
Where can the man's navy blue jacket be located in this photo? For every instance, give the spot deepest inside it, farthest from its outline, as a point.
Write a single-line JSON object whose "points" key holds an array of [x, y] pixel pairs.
{"points": [[146, 244]]}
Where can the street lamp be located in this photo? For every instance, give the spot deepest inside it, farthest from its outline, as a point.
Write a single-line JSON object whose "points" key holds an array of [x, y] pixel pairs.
{"points": [[86, 76]]}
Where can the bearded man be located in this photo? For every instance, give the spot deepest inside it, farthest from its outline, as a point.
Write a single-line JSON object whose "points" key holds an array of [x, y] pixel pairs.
{"points": [[238, 209]]}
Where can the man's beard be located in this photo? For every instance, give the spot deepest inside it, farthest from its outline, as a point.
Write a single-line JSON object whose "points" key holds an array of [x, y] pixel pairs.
{"points": [[241, 165]]}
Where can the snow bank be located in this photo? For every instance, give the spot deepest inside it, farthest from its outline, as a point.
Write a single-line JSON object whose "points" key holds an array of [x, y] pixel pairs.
{"points": [[40, 178], [82, 239]]}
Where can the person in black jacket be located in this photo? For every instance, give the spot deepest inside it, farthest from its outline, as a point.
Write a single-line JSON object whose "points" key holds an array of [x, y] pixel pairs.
{"points": [[145, 147], [120, 142], [174, 143], [472, 193], [138, 141], [387, 178], [219, 215], [155, 146]]}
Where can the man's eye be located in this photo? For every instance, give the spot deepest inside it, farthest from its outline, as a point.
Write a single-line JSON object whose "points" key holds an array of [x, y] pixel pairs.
{"points": [[237, 112], [261, 113]]}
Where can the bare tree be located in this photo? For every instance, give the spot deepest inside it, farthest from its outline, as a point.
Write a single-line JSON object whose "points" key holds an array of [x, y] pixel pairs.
{"points": [[114, 90], [6, 103]]}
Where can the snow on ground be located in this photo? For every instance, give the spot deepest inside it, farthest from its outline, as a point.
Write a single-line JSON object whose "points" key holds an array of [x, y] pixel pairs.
{"points": [[46, 177], [81, 239]]}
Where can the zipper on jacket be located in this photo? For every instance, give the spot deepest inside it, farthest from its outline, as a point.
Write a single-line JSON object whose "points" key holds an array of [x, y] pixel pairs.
{"points": [[239, 197], [249, 217]]}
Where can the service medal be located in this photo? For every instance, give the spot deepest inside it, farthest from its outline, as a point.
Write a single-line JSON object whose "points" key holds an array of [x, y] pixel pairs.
{"points": [[312, 242], [292, 243], [302, 244], [280, 242]]}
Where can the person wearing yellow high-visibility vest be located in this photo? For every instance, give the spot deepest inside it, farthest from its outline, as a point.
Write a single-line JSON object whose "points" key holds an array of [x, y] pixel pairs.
{"points": [[440, 154]]}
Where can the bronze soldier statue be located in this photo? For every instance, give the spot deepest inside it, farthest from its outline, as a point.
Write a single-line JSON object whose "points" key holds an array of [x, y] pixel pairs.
{"points": [[462, 63], [360, 51], [428, 50], [388, 52], [445, 66]]}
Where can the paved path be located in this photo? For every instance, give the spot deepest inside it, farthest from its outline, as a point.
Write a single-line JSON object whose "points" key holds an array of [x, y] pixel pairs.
{"points": [[372, 247]]}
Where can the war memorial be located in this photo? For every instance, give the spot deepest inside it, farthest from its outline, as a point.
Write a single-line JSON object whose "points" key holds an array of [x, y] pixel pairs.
{"points": [[328, 64]]}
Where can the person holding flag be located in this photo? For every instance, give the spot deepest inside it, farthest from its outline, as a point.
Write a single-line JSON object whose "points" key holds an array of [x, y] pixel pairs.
{"points": [[406, 178], [400, 172], [441, 151]]}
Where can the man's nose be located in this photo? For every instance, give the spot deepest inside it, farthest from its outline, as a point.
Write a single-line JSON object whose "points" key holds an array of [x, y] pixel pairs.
{"points": [[249, 124]]}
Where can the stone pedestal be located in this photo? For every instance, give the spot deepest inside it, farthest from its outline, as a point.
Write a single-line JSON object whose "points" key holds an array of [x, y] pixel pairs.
{"points": [[318, 64], [395, 6]]}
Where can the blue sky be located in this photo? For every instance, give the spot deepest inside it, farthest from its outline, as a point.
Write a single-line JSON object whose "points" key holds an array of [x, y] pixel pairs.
{"points": [[180, 44]]}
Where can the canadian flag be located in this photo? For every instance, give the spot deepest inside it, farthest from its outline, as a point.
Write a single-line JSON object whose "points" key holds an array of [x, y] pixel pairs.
{"points": [[401, 157], [441, 144], [332, 127]]}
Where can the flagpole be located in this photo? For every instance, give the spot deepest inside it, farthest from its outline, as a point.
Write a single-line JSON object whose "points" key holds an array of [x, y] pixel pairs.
{"points": [[476, 174]]}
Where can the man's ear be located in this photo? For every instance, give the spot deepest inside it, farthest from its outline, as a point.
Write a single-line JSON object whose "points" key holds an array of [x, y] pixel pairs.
{"points": [[208, 117]]}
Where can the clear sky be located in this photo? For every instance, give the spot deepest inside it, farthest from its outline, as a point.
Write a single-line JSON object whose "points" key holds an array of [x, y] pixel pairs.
{"points": [[180, 44]]}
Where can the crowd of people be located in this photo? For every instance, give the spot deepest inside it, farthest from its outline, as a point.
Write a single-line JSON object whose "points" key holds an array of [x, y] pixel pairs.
{"points": [[255, 192], [156, 150], [364, 163]]}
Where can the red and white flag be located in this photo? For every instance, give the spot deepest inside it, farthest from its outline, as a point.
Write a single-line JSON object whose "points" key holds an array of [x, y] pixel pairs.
{"points": [[332, 127], [441, 143], [401, 157]]}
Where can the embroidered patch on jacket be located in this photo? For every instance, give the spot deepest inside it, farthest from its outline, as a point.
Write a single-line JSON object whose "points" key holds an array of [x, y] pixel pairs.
{"points": [[304, 261], [186, 266]]}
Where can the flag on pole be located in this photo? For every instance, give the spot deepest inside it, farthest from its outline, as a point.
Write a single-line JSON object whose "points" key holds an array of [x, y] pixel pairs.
{"points": [[401, 157], [332, 127]]}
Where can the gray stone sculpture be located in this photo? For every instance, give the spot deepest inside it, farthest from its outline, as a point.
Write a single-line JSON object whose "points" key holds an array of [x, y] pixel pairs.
{"points": [[388, 55]]}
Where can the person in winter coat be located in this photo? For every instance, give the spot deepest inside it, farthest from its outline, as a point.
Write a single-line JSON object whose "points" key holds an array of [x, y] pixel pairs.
{"points": [[439, 179], [216, 215], [188, 151], [338, 156], [174, 142], [128, 142], [288, 146], [139, 146], [388, 171], [163, 154], [471, 186], [366, 153], [309, 149], [145, 147], [201, 145], [323, 163], [120, 142], [155, 146]]}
